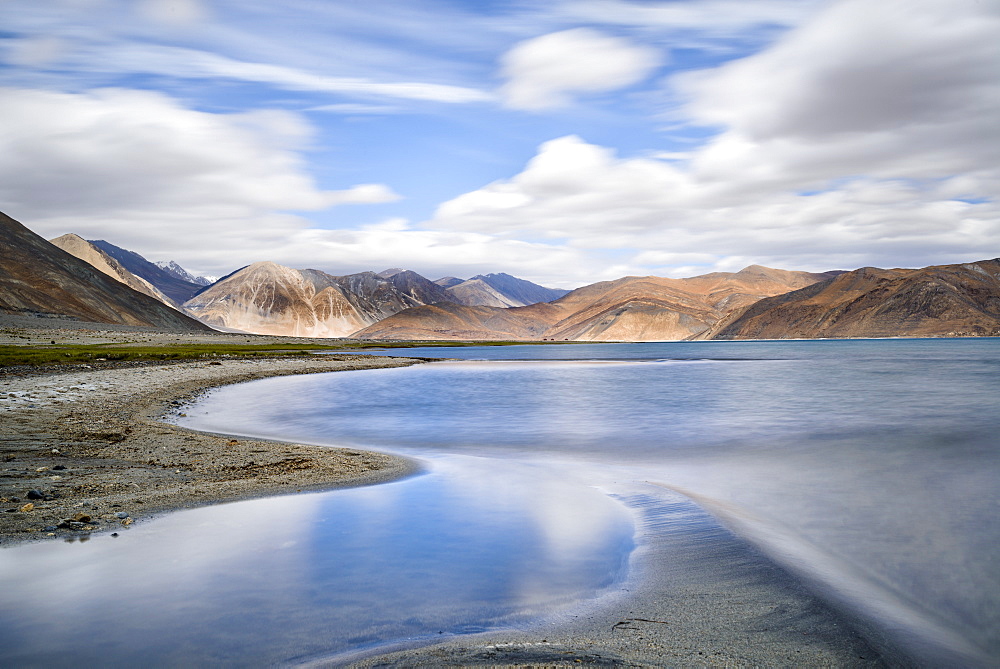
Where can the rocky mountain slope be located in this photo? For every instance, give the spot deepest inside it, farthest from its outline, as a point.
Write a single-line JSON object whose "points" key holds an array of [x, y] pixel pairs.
{"points": [[944, 300], [448, 281], [175, 287], [87, 252], [267, 298], [423, 290], [38, 278], [628, 309], [499, 290]]}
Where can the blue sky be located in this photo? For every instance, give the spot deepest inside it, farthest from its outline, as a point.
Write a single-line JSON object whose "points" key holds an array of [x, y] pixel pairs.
{"points": [[566, 141]]}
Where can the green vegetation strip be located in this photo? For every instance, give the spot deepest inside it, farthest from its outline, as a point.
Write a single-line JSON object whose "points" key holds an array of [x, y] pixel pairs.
{"points": [[65, 354]]}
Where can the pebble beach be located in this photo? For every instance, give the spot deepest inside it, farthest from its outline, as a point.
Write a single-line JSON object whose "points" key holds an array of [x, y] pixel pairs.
{"points": [[83, 449]]}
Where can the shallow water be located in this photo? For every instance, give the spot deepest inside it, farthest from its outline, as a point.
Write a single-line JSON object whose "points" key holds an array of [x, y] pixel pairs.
{"points": [[867, 467]]}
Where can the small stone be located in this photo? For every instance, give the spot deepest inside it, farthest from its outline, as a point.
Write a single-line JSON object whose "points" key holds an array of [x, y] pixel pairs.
{"points": [[35, 494], [126, 522], [55, 451], [121, 515], [27, 507], [82, 518], [49, 528], [42, 469], [59, 468], [114, 534]]}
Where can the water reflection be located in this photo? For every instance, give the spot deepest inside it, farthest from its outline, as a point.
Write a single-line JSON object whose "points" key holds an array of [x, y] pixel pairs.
{"points": [[466, 547]]}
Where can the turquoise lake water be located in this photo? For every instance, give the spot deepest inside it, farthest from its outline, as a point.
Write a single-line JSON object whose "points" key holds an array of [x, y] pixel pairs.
{"points": [[869, 469]]}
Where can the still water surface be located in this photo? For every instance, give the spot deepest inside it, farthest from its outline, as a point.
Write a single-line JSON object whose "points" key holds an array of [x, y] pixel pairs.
{"points": [[869, 468]]}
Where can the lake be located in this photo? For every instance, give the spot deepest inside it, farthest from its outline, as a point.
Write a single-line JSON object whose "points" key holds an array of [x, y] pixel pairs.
{"points": [[867, 468]]}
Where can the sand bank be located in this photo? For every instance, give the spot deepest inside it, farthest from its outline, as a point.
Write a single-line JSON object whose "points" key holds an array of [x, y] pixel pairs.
{"points": [[83, 450]]}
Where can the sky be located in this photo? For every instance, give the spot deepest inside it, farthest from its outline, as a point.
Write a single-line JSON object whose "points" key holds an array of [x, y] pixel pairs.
{"points": [[562, 141]]}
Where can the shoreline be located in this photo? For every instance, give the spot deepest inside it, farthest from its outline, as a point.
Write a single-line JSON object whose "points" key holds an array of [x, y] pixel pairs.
{"points": [[698, 600], [696, 595], [84, 450]]}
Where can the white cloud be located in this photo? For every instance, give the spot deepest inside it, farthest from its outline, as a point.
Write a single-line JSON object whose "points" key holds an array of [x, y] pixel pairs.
{"points": [[116, 150], [667, 221], [889, 89], [548, 71]]}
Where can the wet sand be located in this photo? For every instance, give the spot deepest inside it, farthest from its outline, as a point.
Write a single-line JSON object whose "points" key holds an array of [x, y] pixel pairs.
{"points": [[699, 597]]}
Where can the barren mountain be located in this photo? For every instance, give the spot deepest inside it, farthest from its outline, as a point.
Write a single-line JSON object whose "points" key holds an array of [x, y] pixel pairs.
{"points": [[448, 281], [267, 298], [944, 300], [175, 287], [424, 291], [39, 278], [628, 309], [87, 252], [500, 290]]}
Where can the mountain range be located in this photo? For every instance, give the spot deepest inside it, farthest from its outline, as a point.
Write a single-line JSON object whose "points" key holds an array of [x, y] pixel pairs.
{"points": [[179, 286], [938, 301], [96, 280], [629, 309], [38, 278], [98, 259]]}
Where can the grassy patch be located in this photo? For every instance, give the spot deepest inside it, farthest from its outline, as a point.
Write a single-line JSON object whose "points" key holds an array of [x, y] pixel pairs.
{"points": [[86, 353], [65, 354]]}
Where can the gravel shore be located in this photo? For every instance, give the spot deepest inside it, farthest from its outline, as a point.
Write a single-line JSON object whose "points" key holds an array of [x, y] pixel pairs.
{"points": [[83, 450]]}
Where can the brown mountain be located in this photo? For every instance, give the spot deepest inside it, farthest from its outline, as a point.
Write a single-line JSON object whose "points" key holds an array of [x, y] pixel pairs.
{"points": [[944, 300], [423, 290], [91, 254], [629, 309], [267, 298], [39, 278], [499, 290]]}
